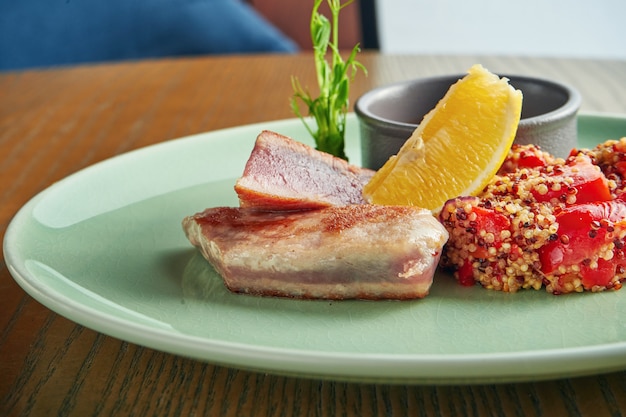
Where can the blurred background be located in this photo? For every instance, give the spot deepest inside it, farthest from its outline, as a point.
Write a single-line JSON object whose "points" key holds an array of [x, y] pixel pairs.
{"points": [[559, 28], [44, 33]]}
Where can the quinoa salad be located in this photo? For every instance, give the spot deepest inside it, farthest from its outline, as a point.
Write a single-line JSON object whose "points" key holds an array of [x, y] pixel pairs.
{"points": [[543, 222]]}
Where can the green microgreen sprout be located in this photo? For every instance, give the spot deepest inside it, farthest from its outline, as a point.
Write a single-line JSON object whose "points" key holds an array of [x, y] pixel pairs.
{"points": [[330, 108]]}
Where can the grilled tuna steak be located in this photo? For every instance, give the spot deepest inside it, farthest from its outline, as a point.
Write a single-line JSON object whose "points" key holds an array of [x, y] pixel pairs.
{"points": [[283, 174], [339, 252]]}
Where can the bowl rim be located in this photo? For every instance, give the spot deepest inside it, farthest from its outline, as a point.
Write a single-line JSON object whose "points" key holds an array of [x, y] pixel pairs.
{"points": [[568, 109]]}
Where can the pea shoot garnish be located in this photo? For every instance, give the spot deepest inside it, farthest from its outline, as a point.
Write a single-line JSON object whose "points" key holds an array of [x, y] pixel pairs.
{"points": [[329, 109]]}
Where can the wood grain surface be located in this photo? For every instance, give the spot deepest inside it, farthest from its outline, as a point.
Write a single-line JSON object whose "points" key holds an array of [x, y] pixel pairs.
{"points": [[55, 122]]}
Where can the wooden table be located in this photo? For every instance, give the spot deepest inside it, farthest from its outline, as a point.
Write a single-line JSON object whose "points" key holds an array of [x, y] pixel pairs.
{"points": [[55, 122]]}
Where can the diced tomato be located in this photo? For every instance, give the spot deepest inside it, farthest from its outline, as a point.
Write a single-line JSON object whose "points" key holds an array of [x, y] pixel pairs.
{"points": [[621, 168], [524, 156], [465, 274], [588, 181], [530, 160], [582, 231], [600, 276], [491, 222]]}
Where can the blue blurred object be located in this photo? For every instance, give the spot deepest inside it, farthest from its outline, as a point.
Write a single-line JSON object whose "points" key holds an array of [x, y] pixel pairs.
{"points": [[44, 33]]}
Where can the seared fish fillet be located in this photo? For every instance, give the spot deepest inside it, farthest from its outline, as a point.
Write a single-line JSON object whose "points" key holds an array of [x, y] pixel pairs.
{"points": [[339, 252], [283, 174]]}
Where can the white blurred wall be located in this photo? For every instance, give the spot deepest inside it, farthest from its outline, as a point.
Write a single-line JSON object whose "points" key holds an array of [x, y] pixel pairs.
{"points": [[561, 28]]}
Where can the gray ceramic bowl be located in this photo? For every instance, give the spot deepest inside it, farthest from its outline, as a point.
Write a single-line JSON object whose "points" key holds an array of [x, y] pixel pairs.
{"points": [[389, 114]]}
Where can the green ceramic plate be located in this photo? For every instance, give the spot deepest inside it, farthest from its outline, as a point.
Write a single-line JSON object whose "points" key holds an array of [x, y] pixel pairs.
{"points": [[104, 248]]}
